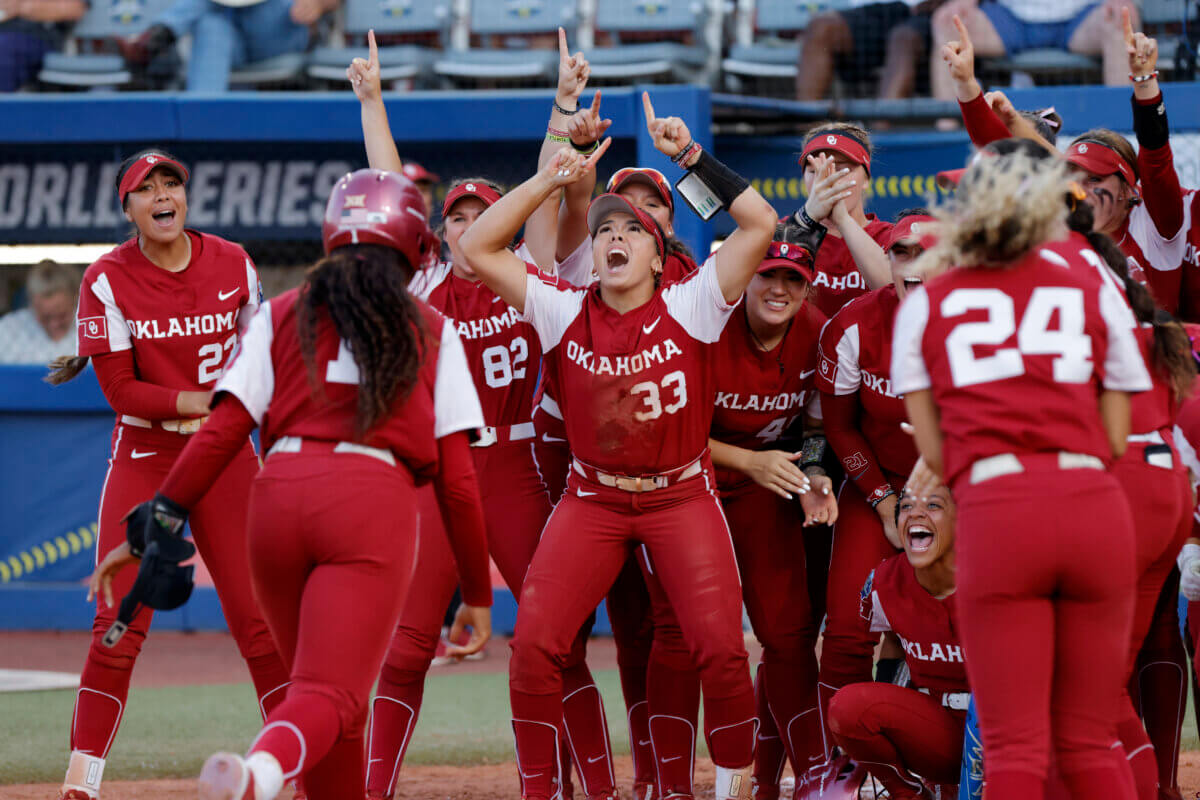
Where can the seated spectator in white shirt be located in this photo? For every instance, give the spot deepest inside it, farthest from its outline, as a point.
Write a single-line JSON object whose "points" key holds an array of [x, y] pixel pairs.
{"points": [[46, 329]]}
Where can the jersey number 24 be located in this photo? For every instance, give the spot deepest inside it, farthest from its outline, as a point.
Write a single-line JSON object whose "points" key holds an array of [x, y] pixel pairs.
{"points": [[1069, 344]]}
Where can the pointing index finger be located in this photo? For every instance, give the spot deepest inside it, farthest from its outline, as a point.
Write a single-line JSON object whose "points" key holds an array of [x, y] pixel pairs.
{"points": [[595, 109], [648, 108], [372, 49], [963, 36], [1127, 24], [564, 52]]}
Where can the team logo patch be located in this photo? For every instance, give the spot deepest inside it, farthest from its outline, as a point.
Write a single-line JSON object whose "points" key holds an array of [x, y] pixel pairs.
{"points": [[828, 368], [93, 328], [470, 187], [1082, 148], [855, 463], [151, 159], [831, 139], [355, 201]]}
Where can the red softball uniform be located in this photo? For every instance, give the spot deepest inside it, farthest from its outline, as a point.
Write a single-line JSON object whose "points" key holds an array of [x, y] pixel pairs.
{"points": [[862, 422], [908, 732], [1016, 359], [838, 279], [856, 364], [504, 355], [319, 481], [997, 382], [761, 394], [636, 395], [154, 333], [1189, 307]]}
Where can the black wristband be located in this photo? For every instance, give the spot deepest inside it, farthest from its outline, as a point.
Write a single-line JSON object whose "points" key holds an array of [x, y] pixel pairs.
{"points": [[802, 218], [726, 184], [803, 230], [564, 111], [586, 149], [1150, 124]]}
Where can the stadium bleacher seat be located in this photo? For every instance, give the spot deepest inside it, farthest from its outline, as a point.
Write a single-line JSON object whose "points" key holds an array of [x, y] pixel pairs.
{"points": [[761, 48], [642, 60], [283, 68], [1165, 20], [405, 62], [105, 21], [509, 20]]}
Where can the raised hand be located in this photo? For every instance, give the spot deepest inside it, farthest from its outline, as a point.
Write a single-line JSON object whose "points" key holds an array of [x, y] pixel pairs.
{"points": [[573, 72], [670, 134], [569, 166], [1003, 108], [829, 187], [587, 126], [364, 75], [1142, 49], [959, 54]]}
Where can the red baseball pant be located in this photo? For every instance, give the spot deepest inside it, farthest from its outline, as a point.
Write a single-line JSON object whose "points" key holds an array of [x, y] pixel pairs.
{"points": [[769, 544], [1045, 599], [515, 507], [332, 545], [859, 545], [899, 734], [1161, 500], [583, 549], [137, 468]]}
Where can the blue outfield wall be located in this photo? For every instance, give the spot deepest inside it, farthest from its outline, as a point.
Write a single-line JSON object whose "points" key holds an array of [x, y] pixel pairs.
{"points": [[261, 167]]}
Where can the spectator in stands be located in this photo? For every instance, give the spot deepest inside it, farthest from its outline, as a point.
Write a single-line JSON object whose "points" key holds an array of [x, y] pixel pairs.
{"points": [[892, 34], [227, 34], [425, 180], [1007, 27], [45, 330], [28, 30]]}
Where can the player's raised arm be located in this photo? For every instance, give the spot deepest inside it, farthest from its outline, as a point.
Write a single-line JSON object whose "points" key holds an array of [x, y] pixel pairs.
{"points": [[742, 252], [485, 244], [377, 134]]}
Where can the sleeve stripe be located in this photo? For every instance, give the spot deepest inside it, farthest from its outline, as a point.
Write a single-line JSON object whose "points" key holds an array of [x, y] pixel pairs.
{"points": [[118, 330]]}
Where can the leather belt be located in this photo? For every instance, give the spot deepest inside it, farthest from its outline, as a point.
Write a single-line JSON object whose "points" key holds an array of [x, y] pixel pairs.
{"points": [[503, 434], [640, 483], [1011, 464], [295, 444]]}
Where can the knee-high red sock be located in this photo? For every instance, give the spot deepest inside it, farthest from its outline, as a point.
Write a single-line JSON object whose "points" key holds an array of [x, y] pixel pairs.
{"points": [[1161, 677], [300, 732], [769, 751], [270, 679], [791, 693], [1139, 752], [587, 731], [100, 702], [673, 690], [394, 714], [340, 769]]}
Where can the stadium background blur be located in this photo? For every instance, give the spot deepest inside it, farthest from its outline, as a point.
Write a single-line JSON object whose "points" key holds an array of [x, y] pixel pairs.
{"points": [[471, 83]]}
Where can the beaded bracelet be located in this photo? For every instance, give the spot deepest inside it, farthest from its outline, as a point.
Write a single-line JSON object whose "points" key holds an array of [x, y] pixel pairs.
{"points": [[692, 148], [555, 135], [1143, 78]]}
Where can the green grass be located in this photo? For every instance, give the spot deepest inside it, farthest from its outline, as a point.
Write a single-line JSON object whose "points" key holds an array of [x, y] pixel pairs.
{"points": [[168, 732]]}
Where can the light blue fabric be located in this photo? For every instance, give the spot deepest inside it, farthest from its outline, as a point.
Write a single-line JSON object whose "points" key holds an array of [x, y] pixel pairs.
{"points": [[224, 38]]}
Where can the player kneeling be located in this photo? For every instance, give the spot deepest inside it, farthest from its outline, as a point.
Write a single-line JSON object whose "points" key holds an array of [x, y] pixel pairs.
{"points": [[911, 739]]}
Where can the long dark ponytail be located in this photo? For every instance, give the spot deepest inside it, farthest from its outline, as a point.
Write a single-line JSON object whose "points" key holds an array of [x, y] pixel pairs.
{"points": [[1171, 349], [363, 288]]}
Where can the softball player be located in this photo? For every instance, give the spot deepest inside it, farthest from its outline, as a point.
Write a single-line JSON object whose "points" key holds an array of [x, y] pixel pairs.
{"points": [[851, 261], [1046, 551], [504, 356], [911, 739], [862, 421], [391, 410], [1156, 484], [158, 316], [630, 362]]}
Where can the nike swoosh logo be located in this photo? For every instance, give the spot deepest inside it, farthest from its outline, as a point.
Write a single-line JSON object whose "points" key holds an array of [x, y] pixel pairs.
{"points": [[643, 744], [534, 775], [649, 329], [497, 299], [669, 760], [226, 295], [548, 438], [582, 493], [804, 375], [597, 758], [136, 454]]}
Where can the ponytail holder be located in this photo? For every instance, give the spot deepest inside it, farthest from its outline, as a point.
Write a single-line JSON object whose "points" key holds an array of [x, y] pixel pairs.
{"points": [[1044, 115]]}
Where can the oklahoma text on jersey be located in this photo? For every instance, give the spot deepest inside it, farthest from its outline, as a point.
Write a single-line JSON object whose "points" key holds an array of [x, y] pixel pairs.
{"points": [[622, 365], [785, 401], [181, 326]]}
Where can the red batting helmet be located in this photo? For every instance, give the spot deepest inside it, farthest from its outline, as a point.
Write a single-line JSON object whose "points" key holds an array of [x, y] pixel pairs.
{"points": [[372, 206]]}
